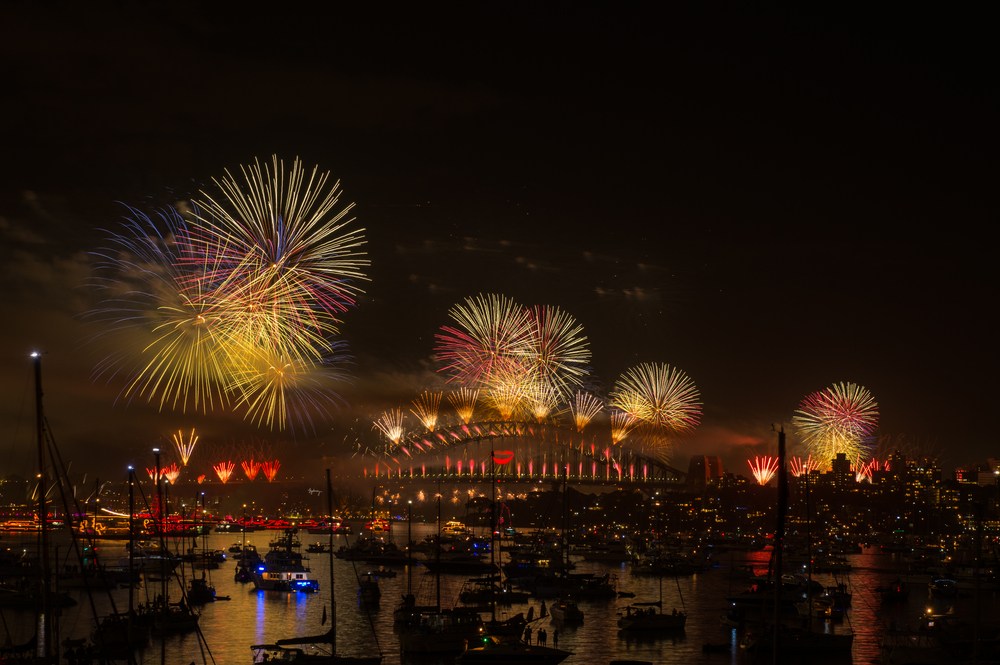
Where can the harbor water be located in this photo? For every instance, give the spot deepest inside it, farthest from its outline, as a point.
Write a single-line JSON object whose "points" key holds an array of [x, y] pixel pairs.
{"points": [[243, 616]]}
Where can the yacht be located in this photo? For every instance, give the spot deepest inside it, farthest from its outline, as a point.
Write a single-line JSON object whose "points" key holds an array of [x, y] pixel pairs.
{"points": [[454, 528], [283, 568]]}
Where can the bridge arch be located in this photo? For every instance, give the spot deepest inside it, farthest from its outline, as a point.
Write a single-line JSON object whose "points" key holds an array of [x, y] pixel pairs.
{"points": [[519, 450]]}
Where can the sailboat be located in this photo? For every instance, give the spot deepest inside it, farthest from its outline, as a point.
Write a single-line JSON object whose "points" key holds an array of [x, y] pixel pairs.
{"points": [[506, 649], [42, 641], [433, 631], [787, 636], [248, 559], [650, 616], [566, 611], [292, 649], [200, 590], [43, 647]]}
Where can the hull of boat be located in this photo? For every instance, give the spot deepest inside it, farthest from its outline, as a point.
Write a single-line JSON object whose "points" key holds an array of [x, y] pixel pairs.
{"points": [[653, 622], [514, 653]]}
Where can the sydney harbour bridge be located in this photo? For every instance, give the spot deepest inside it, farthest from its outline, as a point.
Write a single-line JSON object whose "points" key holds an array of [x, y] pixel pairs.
{"points": [[519, 451]]}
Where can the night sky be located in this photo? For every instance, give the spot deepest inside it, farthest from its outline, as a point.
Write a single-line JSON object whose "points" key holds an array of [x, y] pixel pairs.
{"points": [[773, 202]]}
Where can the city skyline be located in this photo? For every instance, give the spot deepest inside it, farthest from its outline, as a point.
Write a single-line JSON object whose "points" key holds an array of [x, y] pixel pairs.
{"points": [[772, 203]]}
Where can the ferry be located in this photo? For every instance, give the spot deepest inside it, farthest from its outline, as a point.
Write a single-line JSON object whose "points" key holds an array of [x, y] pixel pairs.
{"points": [[454, 528], [378, 525], [19, 525]]}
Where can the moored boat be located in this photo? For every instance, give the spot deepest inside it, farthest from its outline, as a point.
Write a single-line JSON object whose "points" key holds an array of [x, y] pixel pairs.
{"points": [[566, 611], [293, 649], [511, 652], [651, 617], [282, 568]]}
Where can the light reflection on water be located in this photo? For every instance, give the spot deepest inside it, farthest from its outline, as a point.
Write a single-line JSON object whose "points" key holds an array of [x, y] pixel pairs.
{"points": [[229, 627]]}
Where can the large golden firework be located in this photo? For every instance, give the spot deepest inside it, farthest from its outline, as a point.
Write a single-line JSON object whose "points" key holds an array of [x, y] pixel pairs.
{"points": [[490, 335], [838, 419], [238, 301], [660, 395], [556, 354]]}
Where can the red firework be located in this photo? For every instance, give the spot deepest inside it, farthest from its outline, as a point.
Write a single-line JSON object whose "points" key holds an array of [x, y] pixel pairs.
{"points": [[491, 333], [250, 468], [270, 469]]}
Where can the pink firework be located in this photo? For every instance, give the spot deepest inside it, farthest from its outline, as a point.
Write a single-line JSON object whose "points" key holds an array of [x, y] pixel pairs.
{"points": [[863, 472], [763, 468], [490, 333], [800, 467], [839, 419]]}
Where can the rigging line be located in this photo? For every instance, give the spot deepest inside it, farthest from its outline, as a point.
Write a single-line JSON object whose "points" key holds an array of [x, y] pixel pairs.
{"points": [[61, 473], [367, 606]]}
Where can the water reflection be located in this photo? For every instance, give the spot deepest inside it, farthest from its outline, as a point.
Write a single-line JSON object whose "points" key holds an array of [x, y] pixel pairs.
{"points": [[230, 626]]}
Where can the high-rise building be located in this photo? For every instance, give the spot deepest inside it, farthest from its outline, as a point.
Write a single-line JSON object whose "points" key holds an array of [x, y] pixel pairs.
{"points": [[703, 468]]}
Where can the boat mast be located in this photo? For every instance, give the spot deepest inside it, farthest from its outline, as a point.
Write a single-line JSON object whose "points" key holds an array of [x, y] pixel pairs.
{"points": [[809, 563], [333, 598], [160, 525], [44, 629], [437, 557], [779, 535], [131, 556], [409, 545], [493, 531], [565, 519]]}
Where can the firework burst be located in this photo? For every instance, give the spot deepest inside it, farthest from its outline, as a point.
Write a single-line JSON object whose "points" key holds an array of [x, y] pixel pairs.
{"points": [[390, 424], [274, 388], [250, 468], [185, 445], [542, 399], [236, 301], [171, 473], [556, 352], [584, 407], [287, 241], [802, 467], [223, 470], [270, 469], [464, 401], [622, 422], [763, 468], [839, 419], [426, 408], [179, 353], [660, 395], [490, 333]]}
